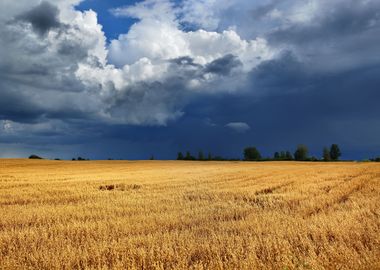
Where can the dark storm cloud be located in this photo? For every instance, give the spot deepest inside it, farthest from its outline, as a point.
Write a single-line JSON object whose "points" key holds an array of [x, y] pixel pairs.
{"points": [[166, 99], [16, 106], [37, 72], [343, 19], [42, 17], [37, 97], [155, 100], [223, 65], [342, 35], [289, 106], [23, 108], [263, 10], [185, 61], [316, 109], [282, 76], [184, 68]]}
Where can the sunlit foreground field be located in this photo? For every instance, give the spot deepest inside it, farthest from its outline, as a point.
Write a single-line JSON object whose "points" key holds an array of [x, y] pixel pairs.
{"points": [[189, 215]]}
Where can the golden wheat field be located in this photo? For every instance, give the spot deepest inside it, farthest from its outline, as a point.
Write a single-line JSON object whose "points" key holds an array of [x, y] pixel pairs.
{"points": [[189, 215]]}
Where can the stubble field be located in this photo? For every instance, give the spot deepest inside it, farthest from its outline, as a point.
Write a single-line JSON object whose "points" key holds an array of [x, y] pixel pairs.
{"points": [[189, 215]]}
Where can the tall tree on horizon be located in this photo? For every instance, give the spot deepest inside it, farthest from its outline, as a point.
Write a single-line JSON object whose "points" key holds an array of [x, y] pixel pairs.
{"points": [[326, 154], [189, 156], [335, 152], [180, 156], [301, 153], [251, 154]]}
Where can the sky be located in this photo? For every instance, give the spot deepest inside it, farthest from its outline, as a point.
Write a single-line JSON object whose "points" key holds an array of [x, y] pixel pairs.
{"points": [[130, 79]]}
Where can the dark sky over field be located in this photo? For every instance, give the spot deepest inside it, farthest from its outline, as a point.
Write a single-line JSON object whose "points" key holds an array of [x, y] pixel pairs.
{"points": [[128, 79]]}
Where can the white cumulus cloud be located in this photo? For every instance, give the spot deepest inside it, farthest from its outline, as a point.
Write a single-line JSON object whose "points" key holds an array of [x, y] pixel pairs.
{"points": [[239, 127]]}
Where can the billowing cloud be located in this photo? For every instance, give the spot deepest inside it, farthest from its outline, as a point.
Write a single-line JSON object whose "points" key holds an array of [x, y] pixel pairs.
{"points": [[38, 78], [145, 84], [56, 64], [160, 38], [42, 18]]}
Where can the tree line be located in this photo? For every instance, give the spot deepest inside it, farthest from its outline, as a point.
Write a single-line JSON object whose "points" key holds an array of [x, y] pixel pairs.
{"points": [[301, 154], [332, 153], [253, 154], [202, 157]]}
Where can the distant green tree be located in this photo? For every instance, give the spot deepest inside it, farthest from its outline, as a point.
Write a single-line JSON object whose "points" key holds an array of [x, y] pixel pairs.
{"points": [[301, 153], [201, 156], [251, 154], [326, 154], [189, 156], [335, 152], [180, 156], [276, 156], [288, 155], [151, 157], [209, 157], [282, 155]]}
